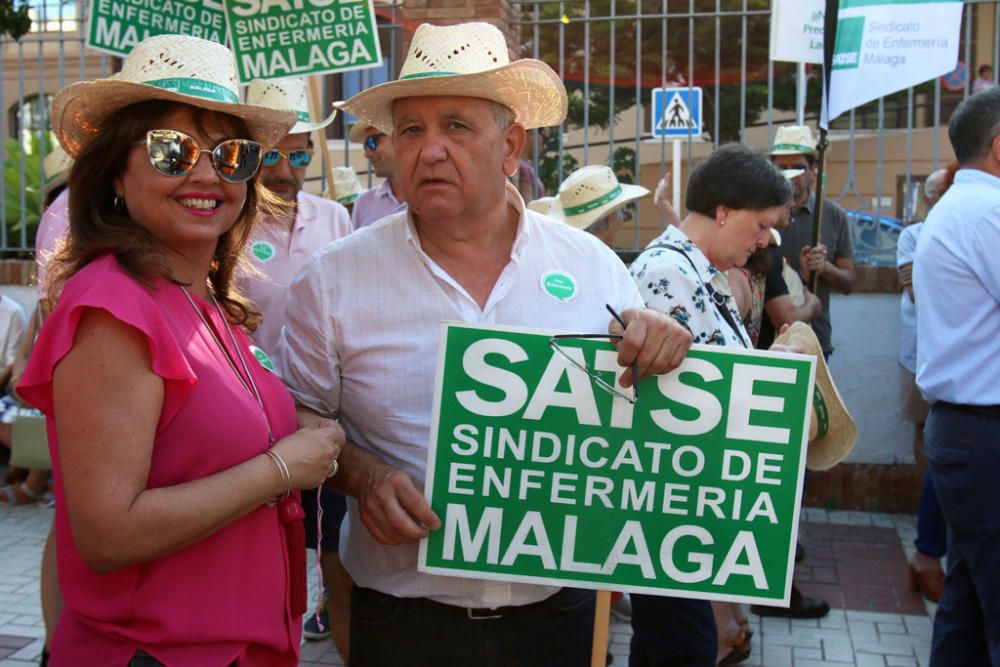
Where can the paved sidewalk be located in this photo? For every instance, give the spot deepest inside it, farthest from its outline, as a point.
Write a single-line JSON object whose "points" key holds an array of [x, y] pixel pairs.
{"points": [[856, 560]]}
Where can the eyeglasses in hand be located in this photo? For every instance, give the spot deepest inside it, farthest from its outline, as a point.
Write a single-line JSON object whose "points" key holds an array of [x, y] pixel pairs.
{"points": [[598, 380]]}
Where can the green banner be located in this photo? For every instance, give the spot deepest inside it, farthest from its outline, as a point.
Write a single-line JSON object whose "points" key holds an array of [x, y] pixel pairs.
{"points": [[541, 475], [116, 26], [278, 38]]}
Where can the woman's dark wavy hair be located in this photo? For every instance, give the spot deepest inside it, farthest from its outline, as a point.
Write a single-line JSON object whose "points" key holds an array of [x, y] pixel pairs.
{"points": [[738, 178], [97, 227]]}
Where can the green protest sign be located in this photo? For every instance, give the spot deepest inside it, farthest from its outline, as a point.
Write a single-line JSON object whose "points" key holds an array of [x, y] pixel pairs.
{"points": [[278, 38], [540, 475], [116, 26]]}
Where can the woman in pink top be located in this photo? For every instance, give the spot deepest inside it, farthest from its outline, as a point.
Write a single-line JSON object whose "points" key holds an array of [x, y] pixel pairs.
{"points": [[174, 447]]}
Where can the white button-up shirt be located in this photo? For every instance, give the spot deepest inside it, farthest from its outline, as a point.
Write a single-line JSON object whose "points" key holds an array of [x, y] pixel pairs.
{"points": [[956, 279], [279, 252], [906, 249], [361, 338]]}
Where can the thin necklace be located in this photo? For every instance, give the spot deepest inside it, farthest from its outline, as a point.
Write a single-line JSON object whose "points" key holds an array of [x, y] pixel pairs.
{"points": [[252, 387]]}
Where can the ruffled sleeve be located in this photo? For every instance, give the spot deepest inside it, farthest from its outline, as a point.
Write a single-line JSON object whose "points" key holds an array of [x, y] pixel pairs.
{"points": [[102, 284]]}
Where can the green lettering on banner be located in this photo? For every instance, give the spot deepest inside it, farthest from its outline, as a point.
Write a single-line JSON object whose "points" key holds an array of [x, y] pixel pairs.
{"points": [[281, 38], [116, 26], [540, 476]]}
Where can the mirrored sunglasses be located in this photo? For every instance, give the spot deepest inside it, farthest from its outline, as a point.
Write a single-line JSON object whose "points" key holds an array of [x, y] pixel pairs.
{"points": [[298, 158], [371, 141], [173, 153]]}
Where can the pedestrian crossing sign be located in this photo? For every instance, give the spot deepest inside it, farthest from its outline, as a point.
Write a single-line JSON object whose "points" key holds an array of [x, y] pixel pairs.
{"points": [[677, 112]]}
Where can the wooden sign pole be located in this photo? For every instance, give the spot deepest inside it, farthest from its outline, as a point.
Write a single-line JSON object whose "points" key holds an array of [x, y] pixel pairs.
{"points": [[599, 651], [315, 108]]}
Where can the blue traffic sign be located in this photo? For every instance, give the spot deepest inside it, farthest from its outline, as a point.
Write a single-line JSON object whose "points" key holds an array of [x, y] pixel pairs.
{"points": [[677, 112]]}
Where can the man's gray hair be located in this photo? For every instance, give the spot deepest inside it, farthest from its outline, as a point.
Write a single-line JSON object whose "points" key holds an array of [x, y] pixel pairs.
{"points": [[503, 116], [599, 226], [934, 186]]}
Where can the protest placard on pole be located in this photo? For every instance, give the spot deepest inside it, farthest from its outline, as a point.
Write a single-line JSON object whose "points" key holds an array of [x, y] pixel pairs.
{"points": [[883, 46], [116, 26], [797, 31], [277, 38], [541, 476]]}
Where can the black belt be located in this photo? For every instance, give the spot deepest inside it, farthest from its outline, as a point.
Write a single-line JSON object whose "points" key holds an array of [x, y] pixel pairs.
{"points": [[992, 411], [474, 613]]}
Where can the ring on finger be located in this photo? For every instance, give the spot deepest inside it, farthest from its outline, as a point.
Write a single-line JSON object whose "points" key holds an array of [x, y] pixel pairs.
{"points": [[333, 468]]}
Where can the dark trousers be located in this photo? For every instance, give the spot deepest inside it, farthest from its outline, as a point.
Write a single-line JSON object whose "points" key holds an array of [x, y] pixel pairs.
{"points": [[963, 452], [932, 531], [387, 631], [672, 632]]}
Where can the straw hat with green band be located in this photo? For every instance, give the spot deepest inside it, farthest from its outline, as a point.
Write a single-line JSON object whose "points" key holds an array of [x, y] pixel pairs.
{"points": [[590, 193], [171, 68], [466, 60], [286, 94], [793, 140], [545, 205], [832, 432], [346, 186]]}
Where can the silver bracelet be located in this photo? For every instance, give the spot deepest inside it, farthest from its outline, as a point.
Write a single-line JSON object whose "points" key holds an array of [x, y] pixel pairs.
{"points": [[285, 476]]}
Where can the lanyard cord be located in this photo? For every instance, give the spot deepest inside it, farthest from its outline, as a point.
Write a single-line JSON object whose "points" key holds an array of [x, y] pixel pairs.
{"points": [[251, 388]]}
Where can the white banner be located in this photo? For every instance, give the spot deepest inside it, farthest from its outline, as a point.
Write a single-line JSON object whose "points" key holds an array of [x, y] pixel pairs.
{"points": [[884, 46], [797, 31]]}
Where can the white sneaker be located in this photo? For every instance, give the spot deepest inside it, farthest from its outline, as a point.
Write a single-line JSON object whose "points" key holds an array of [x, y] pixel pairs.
{"points": [[622, 608]]}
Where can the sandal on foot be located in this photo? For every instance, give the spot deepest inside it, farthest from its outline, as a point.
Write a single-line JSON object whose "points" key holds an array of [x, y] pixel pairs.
{"points": [[18, 494]]}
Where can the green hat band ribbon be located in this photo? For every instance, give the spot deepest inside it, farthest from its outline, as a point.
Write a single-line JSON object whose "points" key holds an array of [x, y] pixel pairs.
{"points": [[348, 199], [822, 414], [802, 148], [302, 116], [207, 90], [424, 75], [594, 203]]}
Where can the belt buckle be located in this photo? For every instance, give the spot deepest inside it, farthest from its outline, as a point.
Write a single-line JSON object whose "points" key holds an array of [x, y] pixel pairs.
{"points": [[483, 614]]}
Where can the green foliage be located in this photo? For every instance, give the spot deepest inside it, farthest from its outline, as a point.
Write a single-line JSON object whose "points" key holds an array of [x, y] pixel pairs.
{"points": [[599, 91], [14, 22], [14, 186]]}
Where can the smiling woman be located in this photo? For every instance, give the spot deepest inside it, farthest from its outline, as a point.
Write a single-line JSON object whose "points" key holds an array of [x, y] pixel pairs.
{"points": [[172, 446]]}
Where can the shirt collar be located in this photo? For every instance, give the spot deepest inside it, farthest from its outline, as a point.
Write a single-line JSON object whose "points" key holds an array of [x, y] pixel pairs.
{"points": [[969, 175], [520, 240], [384, 189], [675, 237]]}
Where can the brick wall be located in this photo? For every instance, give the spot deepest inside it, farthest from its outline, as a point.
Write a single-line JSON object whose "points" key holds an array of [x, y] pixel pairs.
{"points": [[868, 487], [500, 13]]}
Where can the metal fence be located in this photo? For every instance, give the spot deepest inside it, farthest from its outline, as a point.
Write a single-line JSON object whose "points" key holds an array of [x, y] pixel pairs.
{"points": [[611, 55]]}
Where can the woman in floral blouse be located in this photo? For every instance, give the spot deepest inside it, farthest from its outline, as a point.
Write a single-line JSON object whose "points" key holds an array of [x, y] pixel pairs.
{"points": [[734, 198]]}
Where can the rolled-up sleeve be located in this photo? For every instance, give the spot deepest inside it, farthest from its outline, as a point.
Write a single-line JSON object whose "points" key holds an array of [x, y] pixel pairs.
{"points": [[306, 358]]}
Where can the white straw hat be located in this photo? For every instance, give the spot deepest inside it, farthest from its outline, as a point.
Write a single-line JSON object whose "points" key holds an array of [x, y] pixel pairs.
{"points": [[467, 60], [832, 432], [590, 193], [287, 95], [56, 166], [792, 140], [346, 186], [172, 68], [546, 206], [358, 132]]}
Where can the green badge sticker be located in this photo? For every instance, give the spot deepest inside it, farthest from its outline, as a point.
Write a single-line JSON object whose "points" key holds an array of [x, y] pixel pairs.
{"points": [[559, 285], [262, 250], [262, 357]]}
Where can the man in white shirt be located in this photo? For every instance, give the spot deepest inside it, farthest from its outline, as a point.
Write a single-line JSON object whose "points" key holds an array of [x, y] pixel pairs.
{"points": [[278, 248], [361, 336], [956, 280]]}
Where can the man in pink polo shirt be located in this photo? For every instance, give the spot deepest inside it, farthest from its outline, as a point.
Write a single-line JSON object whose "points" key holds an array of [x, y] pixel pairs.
{"points": [[279, 248], [387, 198]]}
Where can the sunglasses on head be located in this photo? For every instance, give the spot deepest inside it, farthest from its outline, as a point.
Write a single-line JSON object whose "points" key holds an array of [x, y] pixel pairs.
{"points": [[300, 157], [173, 153], [371, 141]]}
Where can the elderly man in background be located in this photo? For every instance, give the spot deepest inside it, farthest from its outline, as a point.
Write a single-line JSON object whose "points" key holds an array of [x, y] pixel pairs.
{"points": [[278, 248], [926, 575], [387, 198], [957, 284], [361, 339], [592, 199]]}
